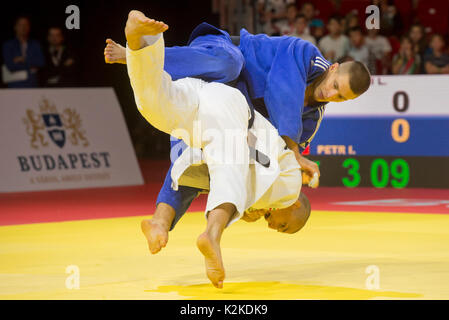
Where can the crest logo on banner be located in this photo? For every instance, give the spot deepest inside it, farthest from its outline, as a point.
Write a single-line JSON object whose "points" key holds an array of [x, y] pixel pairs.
{"points": [[59, 127]]}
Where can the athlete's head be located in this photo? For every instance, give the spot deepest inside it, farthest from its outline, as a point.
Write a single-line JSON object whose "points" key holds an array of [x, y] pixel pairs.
{"points": [[342, 82], [291, 219]]}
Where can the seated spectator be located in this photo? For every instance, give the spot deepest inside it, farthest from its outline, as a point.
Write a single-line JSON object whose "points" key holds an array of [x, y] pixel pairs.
{"points": [[358, 49], [437, 61], [60, 69], [417, 36], [317, 29], [334, 45], [308, 10], [286, 27], [270, 12], [406, 61], [300, 27], [380, 48], [22, 54], [351, 20], [390, 18]]}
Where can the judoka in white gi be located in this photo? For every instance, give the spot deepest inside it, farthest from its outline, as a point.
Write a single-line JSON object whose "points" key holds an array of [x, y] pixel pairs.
{"points": [[248, 172]]}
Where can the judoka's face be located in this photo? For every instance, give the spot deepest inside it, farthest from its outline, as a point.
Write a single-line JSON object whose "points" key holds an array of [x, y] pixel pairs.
{"points": [[288, 220], [334, 87]]}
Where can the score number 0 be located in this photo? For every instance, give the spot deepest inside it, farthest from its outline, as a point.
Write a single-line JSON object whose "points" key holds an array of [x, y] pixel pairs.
{"points": [[399, 169], [400, 128]]}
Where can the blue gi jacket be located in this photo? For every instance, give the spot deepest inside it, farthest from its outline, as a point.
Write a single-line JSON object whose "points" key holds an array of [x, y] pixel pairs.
{"points": [[278, 69]]}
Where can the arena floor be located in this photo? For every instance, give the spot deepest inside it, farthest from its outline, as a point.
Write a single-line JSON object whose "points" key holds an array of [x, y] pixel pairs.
{"points": [[336, 256]]}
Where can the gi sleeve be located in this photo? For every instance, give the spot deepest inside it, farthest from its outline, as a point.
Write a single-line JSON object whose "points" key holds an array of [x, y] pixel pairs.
{"points": [[286, 85]]}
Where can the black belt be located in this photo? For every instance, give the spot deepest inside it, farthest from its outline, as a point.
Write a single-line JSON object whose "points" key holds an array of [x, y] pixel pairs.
{"points": [[255, 154]]}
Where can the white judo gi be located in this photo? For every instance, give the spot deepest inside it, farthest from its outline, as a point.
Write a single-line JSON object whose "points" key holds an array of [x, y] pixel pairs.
{"points": [[212, 119]]}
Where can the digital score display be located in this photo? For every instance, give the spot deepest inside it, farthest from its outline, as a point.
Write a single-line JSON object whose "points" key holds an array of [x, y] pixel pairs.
{"points": [[382, 172], [395, 135]]}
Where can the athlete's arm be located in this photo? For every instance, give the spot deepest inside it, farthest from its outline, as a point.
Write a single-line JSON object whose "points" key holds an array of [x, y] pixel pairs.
{"points": [[308, 167], [253, 215]]}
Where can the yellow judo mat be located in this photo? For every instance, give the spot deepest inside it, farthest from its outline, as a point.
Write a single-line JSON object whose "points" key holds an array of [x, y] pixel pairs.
{"points": [[338, 255]]}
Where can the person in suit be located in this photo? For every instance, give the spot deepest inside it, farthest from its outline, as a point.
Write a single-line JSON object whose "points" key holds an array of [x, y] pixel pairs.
{"points": [[23, 54], [60, 61]]}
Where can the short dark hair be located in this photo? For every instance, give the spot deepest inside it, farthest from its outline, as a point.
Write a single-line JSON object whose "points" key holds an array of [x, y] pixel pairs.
{"points": [[355, 29], [55, 27], [304, 209], [335, 17], [406, 38], [307, 3], [22, 16], [305, 203], [417, 24], [299, 16], [359, 76], [437, 35]]}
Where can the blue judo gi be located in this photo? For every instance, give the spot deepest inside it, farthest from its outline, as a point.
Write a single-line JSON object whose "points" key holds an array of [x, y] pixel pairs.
{"points": [[272, 73]]}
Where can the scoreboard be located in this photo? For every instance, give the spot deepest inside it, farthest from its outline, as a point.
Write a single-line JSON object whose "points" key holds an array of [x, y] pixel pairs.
{"points": [[394, 135]]}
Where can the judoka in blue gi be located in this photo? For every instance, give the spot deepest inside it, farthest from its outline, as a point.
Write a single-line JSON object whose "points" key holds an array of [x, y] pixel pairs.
{"points": [[285, 78]]}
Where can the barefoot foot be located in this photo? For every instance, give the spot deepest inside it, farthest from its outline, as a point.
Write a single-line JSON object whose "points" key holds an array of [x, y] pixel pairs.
{"points": [[114, 53], [139, 25], [212, 257], [156, 235]]}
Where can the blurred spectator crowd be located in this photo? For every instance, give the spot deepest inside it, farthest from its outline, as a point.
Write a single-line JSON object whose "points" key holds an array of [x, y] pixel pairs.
{"points": [[27, 63], [412, 38]]}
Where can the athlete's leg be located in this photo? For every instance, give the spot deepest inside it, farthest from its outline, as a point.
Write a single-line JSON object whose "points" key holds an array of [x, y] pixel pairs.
{"points": [[224, 115], [171, 205], [215, 59], [208, 57], [178, 200], [209, 242], [156, 229], [167, 105]]}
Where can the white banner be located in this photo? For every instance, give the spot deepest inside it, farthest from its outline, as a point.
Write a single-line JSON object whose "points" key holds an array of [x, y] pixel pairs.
{"points": [[64, 139], [415, 95]]}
